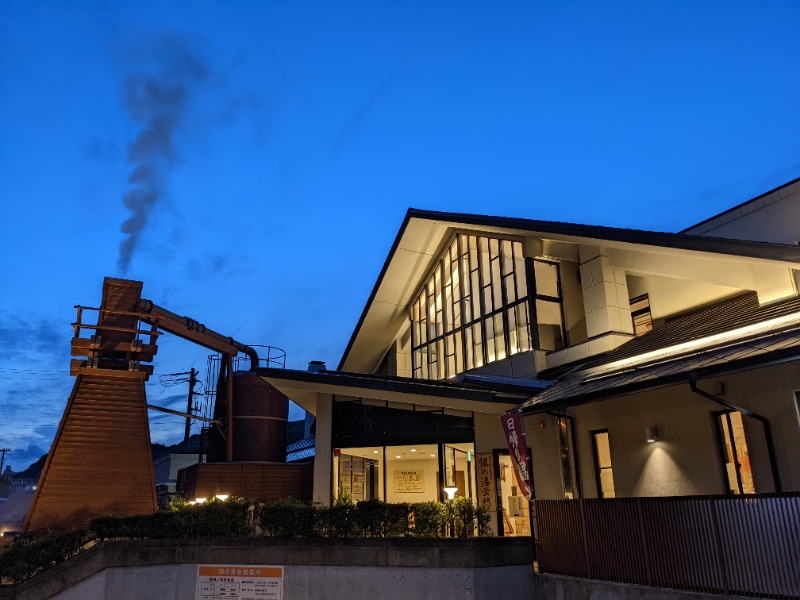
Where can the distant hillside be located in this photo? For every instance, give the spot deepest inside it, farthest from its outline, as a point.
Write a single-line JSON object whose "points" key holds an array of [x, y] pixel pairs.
{"points": [[161, 449], [294, 433], [33, 471]]}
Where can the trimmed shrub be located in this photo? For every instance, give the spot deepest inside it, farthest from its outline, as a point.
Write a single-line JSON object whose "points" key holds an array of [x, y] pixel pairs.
{"points": [[213, 519], [30, 555], [428, 518], [289, 518]]}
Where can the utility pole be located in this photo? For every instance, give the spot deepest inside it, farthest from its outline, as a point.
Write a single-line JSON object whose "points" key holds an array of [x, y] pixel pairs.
{"points": [[192, 380], [3, 458]]}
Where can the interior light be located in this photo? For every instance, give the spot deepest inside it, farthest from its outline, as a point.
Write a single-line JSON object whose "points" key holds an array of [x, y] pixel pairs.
{"points": [[374, 451], [433, 456], [451, 492], [398, 456], [413, 449], [222, 497], [652, 434]]}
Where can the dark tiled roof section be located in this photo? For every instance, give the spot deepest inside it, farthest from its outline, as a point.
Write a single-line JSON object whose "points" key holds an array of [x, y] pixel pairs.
{"points": [[737, 312], [301, 444], [578, 389]]}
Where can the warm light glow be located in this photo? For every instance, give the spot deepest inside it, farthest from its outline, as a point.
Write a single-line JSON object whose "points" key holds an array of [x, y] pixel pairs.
{"points": [[398, 456], [433, 456], [374, 451], [192, 502], [451, 492], [200, 500], [413, 449], [222, 497], [693, 345]]}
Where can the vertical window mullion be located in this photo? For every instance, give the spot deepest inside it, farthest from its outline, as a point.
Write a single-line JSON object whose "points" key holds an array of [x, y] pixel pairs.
{"points": [[460, 250], [483, 310]]}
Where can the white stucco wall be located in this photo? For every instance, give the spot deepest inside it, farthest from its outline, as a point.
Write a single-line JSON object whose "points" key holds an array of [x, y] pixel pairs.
{"points": [[685, 460]]}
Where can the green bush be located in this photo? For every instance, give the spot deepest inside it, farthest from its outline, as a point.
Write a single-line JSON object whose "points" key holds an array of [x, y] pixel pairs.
{"points": [[338, 521], [212, 519], [30, 555], [428, 519], [289, 518]]}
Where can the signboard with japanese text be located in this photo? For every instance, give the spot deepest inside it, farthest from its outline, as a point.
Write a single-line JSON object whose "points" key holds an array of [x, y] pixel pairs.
{"points": [[239, 582], [409, 482], [487, 495], [518, 449]]}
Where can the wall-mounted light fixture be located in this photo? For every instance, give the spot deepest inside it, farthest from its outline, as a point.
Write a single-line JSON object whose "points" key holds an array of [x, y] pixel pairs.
{"points": [[451, 492], [221, 497], [200, 500], [652, 434]]}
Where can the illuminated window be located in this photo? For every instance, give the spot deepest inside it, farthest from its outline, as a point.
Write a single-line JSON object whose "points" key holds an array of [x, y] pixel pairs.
{"points": [[602, 464], [736, 457], [472, 310]]}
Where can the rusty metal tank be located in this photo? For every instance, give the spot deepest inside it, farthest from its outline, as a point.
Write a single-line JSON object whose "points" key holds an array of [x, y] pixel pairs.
{"points": [[260, 415]]}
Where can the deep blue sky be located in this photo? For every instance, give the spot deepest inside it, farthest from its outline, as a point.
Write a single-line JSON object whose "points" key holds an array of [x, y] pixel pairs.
{"points": [[300, 133]]}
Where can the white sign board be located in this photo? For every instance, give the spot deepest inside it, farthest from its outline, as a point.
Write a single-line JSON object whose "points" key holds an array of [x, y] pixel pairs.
{"points": [[239, 582], [409, 482]]}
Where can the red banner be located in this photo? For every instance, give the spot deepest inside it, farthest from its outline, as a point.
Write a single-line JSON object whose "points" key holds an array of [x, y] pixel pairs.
{"points": [[518, 449]]}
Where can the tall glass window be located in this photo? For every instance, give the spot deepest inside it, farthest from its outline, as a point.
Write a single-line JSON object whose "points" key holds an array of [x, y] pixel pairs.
{"points": [[549, 314], [472, 310]]}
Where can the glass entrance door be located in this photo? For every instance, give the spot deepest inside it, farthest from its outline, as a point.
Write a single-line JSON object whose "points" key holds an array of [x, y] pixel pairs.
{"points": [[513, 509]]}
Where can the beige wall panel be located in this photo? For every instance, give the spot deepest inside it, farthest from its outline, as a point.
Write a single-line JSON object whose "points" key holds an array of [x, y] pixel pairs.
{"points": [[323, 460], [544, 452]]}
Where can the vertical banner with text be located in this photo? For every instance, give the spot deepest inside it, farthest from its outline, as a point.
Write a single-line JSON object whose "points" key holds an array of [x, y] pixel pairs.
{"points": [[518, 449]]}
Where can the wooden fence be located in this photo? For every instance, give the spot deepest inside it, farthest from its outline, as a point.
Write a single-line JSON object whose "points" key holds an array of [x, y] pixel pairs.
{"points": [[746, 545]]}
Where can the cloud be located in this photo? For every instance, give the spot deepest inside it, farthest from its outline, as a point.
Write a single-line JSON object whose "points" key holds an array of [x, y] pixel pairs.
{"points": [[24, 333]]}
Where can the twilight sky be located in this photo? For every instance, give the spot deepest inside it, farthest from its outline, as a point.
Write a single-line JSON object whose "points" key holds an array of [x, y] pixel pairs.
{"points": [[251, 162]]}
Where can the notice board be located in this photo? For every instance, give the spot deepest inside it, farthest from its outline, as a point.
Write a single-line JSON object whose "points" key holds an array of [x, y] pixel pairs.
{"points": [[409, 482], [239, 582]]}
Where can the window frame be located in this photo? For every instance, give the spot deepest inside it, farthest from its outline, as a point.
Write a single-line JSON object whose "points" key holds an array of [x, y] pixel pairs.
{"points": [[488, 276]]}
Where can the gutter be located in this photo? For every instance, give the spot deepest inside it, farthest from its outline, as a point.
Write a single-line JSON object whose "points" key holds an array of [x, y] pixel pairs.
{"points": [[773, 463]]}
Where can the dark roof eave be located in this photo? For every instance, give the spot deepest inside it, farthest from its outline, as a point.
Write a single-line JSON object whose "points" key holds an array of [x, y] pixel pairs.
{"points": [[773, 358], [372, 382], [751, 249]]}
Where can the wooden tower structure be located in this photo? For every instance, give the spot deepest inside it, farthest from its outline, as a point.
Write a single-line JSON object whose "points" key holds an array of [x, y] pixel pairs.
{"points": [[100, 461]]}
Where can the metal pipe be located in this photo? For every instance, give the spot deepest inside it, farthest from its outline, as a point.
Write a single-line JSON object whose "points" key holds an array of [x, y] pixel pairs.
{"points": [[190, 329], [229, 445], [773, 462]]}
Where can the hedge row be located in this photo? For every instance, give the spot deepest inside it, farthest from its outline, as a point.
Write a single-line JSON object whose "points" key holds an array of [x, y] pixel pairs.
{"points": [[30, 555], [285, 518], [183, 520], [374, 518]]}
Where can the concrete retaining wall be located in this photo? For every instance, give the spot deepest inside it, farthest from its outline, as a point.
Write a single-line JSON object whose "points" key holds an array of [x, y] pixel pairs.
{"points": [[556, 587], [324, 569], [401, 568]]}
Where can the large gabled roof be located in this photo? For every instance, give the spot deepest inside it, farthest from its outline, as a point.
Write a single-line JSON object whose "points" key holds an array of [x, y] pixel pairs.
{"points": [[423, 232]]}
